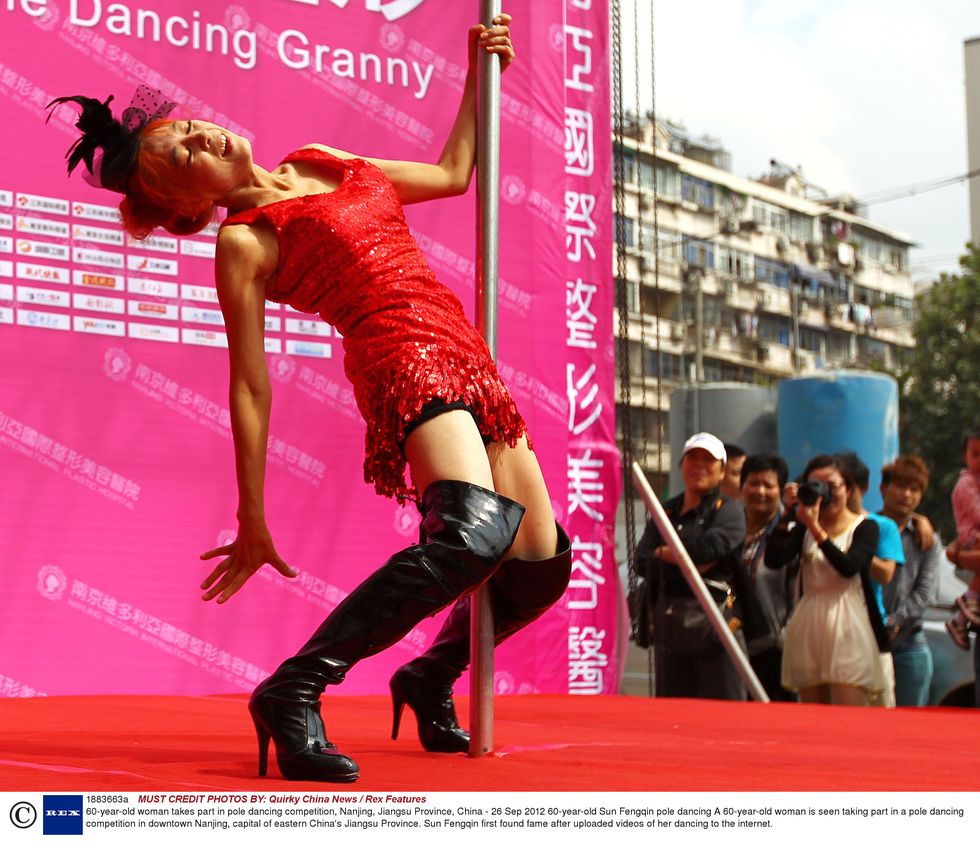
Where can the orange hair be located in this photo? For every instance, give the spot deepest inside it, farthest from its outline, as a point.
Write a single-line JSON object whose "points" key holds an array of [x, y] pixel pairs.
{"points": [[150, 201], [906, 470]]}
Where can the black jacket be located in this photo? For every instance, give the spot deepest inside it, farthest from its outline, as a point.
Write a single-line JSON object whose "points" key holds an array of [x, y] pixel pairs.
{"points": [[713, 531]]}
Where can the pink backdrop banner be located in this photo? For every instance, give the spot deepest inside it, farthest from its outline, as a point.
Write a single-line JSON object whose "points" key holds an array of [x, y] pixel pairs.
{"points": [[115, 446]]}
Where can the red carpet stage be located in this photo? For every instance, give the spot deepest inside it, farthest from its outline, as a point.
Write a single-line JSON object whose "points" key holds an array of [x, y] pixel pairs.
{"points": [[544, 743]]}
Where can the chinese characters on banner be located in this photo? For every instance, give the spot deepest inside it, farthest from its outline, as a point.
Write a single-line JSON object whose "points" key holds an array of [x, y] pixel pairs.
{"points": [[593, 460]]}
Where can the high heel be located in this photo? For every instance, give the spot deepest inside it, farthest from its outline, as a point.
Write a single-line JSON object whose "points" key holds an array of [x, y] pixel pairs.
{"points": [[303, 751], [263, 738], [467, 529], [397, 706], [520, 592], [435, 715]]}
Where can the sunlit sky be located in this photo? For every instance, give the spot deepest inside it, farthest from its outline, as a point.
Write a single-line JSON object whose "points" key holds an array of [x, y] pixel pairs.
{"points": [[864, 95]]}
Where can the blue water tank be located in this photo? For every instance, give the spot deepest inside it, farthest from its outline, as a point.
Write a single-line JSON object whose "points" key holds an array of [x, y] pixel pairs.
{"points": [[836, 411]]}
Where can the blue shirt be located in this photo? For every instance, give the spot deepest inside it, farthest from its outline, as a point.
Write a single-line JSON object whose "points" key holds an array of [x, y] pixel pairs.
{"points": [[889, 548]]}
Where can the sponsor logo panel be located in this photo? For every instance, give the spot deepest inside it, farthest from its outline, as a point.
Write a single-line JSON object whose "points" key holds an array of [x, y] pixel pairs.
{"points": [[43, 319], [197, 337], [309, 327], [309, 349], [93, 257], [153, 310], [91, 325], [102, 280], [39, 272], [98, 303], [99, 212], [157, 333], [147, 286], [51, 298], [48, 250], [42, 203], [43, 227]]}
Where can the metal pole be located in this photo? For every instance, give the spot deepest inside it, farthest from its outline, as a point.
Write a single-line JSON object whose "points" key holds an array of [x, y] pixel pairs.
{"points": [[693, 577], [488, 206]]}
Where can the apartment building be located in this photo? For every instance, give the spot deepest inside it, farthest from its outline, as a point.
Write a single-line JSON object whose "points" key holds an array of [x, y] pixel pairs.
{"points": [[735, 279], [971, 65]]}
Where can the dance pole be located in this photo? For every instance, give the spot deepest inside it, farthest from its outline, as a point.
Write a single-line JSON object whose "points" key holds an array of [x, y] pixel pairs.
{"points": [[693, 577], [488, 209]]}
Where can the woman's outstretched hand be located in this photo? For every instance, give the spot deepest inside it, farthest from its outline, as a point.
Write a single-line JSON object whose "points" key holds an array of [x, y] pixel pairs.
{"points": [[249, 551], [493, 40]]}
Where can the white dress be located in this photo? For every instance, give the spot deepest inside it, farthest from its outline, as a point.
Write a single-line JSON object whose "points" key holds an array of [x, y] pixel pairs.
{"points": [[829, 640]]}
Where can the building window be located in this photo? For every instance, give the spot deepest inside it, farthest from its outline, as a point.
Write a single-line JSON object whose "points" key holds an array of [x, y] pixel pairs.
{"points": [[800, 227], [698, 252], [772, 272], [811, 340], [771, 216], [774, 330], [738, 264], [624, 230], [701, 192], [629, 168], [669, 244], [668, 183]]}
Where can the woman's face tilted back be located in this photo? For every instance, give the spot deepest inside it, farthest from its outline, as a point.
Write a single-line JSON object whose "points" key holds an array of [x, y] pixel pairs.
{"points": [[196, 159]]}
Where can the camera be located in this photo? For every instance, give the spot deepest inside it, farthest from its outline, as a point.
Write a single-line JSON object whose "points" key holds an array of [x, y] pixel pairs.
{"points": [[809, 492]]}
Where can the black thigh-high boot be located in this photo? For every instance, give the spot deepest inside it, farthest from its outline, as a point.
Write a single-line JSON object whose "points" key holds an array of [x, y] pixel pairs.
{"points": [[520, 592], [466, 530]]}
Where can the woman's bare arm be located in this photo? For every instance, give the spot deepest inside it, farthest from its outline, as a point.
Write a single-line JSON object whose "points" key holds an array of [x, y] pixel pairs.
{"points": [[414, 181], [244, 259]]}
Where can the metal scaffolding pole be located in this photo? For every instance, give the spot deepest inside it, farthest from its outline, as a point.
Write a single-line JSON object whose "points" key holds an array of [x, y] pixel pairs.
{"points": [[488, 207]]}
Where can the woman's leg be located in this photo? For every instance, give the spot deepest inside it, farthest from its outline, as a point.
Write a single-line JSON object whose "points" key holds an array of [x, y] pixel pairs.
{"points": [[815, 694], [466, 530], [842, 695], [526, 585], [517, 474], [450, 447]]}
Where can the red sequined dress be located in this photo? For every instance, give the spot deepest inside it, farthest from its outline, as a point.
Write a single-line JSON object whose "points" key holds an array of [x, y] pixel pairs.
{"points": [[348, 255]]}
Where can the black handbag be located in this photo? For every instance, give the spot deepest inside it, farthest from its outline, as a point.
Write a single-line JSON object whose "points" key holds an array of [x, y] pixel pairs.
{"points": [[641, 613], [681, 625]]}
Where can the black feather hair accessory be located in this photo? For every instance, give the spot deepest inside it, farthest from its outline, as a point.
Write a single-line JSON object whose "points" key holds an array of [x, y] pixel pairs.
{"points": [[108, 146]]}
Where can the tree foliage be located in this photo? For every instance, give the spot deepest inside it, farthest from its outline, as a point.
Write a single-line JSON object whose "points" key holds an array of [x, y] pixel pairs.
{"points": [[940, 386]]}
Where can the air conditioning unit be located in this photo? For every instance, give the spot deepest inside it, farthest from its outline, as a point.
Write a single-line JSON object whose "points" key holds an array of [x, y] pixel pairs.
{"points": [[678, 333], [782, 244], [762, 352], [730, 287]]}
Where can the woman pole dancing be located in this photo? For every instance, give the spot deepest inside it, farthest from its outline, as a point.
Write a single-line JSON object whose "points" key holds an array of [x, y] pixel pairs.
{"points": [[325, 233]]}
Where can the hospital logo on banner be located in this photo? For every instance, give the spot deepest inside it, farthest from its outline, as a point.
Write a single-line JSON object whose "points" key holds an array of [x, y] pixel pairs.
{"points": [[392, 9], [51, 582], [117, 364]]}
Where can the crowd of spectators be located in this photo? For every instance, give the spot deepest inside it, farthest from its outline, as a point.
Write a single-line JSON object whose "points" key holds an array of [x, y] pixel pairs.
{"points": [[826, 598]]}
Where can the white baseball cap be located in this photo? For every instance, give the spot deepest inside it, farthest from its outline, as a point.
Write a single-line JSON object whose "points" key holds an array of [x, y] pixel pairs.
{"points": [[708, 442]]}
